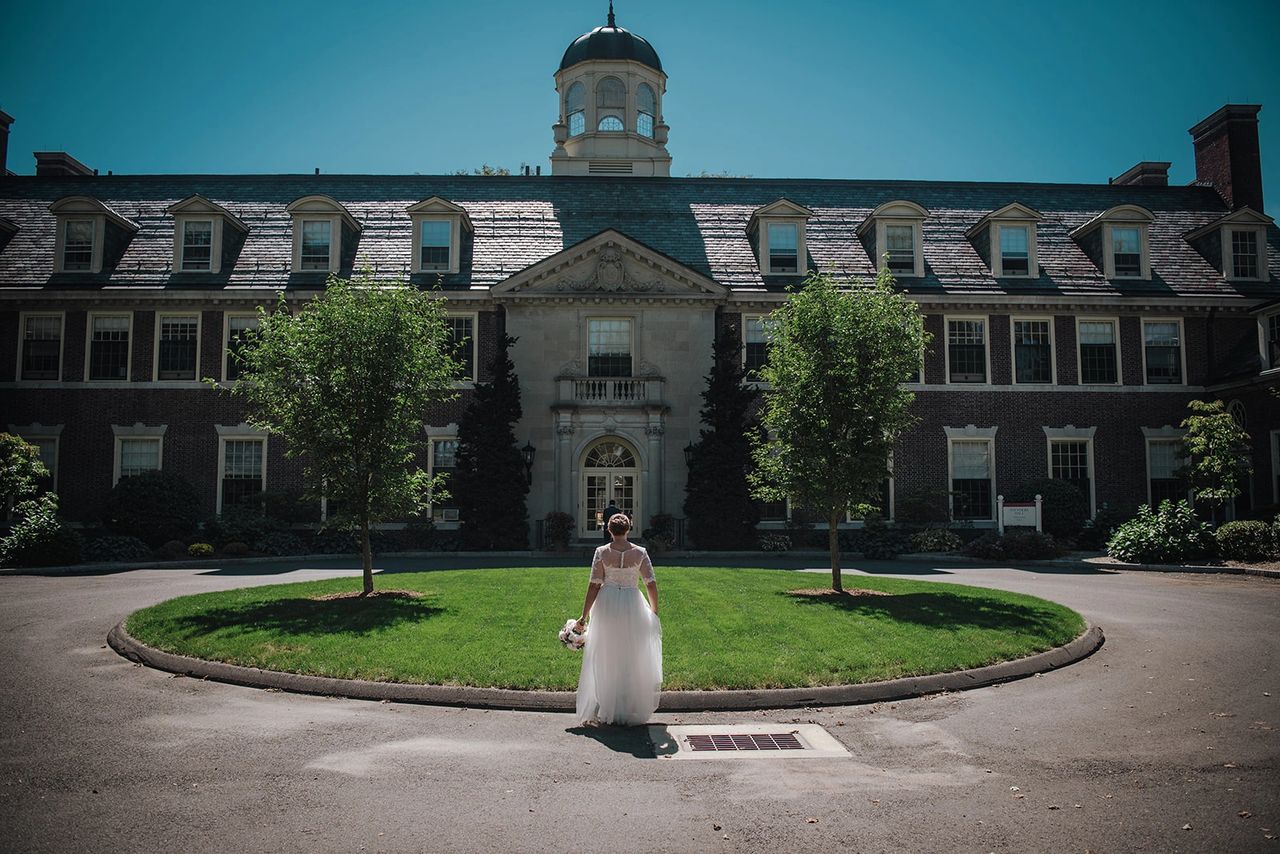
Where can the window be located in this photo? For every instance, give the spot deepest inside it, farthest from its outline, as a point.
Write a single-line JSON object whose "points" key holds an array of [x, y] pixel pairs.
{"points": [[608, 348], [772, 511], [1116, 240], [1007, 236], [898, 237], [1015, 250], [1162, 351], [138, 455], [197, 244], [463, 340], [1163, 462], [444, 461], [900, 244], [177, 351], [611, 94], [435, 250], [1244, 254], [967, 351], [971, 479], [1271, 341], [646, 109], [109, 347], [1126, 251], [1098, 354], [77, 246], [575, 103], [755, 344], [47, 445], [1032, 351], [243, 470], [237, 340], [610, 124], [782, 247], [315, 244], [41, 357], [1069, 461]]}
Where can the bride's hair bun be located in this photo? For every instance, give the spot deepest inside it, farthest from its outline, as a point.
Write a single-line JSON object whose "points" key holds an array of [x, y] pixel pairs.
{"points": [[619, 524]]}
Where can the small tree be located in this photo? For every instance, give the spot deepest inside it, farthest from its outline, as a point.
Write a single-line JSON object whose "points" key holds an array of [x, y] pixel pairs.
{"points": [[347, 380], [718, 502], [1217, 452], [20, 471], [836, 403], [489, 483]]}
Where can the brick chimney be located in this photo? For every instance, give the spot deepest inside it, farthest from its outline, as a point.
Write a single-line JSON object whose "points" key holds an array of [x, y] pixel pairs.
{"points": [[1148, 173], [59, 163], [5, 121], [1227, 157]]}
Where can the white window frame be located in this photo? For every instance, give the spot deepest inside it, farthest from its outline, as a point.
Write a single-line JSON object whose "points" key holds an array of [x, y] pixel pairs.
{"points": [[972, 433], [451, 266], [1144, 248], [747, 318], [437, 209], [226, 337], [136, 432], [475, 345], [1182, 347], [1071, 433], [917, 237], [1228, 255], [319, 208], [1014, 319], [22, 336], [180, 246], [1263, 321], [448, 433], [946, 340], [88, 345], [335, 242], [1115, 324], [1158, 434], [155, 355], [1274, 437], [632, 321], [237, 433], [95, 262], [997, 259], [32, 433], [86, 208], [782, 211]]}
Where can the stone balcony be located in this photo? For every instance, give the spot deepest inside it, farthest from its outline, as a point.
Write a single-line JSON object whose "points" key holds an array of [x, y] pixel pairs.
{"points": [[609, 391]]}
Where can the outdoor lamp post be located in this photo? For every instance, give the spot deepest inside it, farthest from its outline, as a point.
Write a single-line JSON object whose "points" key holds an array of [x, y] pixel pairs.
{"points": [[688, 454], [527, 452]]}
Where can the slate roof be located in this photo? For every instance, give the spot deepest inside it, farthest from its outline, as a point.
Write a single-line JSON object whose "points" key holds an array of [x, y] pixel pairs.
{"points": [[700, 222]]}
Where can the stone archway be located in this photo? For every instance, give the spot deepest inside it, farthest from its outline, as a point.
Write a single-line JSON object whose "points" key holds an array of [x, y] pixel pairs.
{"points": [[610, 472]]}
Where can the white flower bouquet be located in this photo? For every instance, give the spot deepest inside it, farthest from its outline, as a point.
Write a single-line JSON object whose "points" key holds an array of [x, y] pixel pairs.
{"points": [[571, 637]]}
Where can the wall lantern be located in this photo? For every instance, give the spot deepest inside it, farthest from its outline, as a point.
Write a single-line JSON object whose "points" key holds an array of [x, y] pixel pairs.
{"points": [[688, 454], [527, 452]]}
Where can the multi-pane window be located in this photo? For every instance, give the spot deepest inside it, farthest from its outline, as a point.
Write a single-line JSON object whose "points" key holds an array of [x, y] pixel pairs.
{"points": [[1126, 251], [1098, 352], [48, 448], [41, 347], [316, 237], [1163, 462], [77, 245], [435, 244], [138, 455], [609, 348], [197, 244], [900, 243], [1032, 351], [772, 511], [1244, 254], [967, 350], [444, 461], [971, 479], [646, 108], [1015, 254], [242, 472], [611, 94], [237, 341], [109, 348], [783, 256], [1273, 341], [610, 124], [575, 103], [462, 338], [755, 344], [1162, 346], [1069, 461], [176, 354]]}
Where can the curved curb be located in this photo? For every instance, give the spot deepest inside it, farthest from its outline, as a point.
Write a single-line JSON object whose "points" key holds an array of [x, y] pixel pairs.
{"points": [[564, 701]]}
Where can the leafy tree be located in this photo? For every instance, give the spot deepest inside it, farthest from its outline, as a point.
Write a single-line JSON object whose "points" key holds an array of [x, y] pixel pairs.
{"points": [[346, 380], [836, 401], [489, 484], [718, 501], [486, 170], [20, 470], [1217, 450]]}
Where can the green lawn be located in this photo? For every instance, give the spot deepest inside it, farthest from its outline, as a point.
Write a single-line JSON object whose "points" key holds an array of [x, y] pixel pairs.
{"points": [[722, 628]]}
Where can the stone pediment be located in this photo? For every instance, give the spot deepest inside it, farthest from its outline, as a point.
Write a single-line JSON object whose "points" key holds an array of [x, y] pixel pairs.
{"points": [[609, 265]]}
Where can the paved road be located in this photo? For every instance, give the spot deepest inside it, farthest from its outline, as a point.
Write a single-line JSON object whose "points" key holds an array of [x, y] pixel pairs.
{"points": [[1173, 722]]}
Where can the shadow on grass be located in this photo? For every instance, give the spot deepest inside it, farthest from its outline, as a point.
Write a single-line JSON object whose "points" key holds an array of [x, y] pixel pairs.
{"points": [[938, 610], [631, 740], [302, 616]]}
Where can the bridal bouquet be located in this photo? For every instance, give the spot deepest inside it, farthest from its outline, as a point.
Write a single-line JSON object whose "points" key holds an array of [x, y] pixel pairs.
{"points": [[570, 636]]}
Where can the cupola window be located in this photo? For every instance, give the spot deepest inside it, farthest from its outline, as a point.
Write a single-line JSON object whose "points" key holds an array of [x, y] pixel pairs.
{"points": [[611, 124], [611, 94], [575, 105], [646, 109]]}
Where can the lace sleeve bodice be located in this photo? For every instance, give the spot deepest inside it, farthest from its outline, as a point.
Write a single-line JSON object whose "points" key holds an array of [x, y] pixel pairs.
{"points": [[621, 568]]}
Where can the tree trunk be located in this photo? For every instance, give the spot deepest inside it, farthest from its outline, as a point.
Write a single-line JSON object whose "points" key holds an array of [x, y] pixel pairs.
{"points": [[366, 554], [833, 543]]}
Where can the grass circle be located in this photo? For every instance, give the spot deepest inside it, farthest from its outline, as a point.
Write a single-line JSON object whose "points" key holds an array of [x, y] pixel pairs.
{"points": [[723, 628]]}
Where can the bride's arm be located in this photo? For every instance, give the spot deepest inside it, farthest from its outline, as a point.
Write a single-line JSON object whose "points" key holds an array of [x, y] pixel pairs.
{"points": [[593, 588], [650, 583]]}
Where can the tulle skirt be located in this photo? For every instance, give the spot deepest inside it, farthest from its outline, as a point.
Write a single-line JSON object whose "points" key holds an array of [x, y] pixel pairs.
{"points": [[622, 660]]}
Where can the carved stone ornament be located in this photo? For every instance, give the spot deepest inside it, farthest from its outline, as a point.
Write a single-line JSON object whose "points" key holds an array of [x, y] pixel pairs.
{"points": [[564, 430], [647, 369], [654, 430], [571, 368], [611, 276]]}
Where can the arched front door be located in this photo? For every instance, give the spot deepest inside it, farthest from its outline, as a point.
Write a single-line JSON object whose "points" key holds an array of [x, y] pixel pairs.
{"points": [[609, 473]]}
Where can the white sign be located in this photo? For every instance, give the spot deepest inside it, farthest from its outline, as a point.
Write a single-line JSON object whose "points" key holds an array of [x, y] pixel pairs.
{"points": [[1020, 516]]}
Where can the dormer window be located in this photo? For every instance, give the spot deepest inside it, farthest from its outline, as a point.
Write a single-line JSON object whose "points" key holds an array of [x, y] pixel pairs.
{"points": [[322, 231], [197, 245], [1236, 244], [199, 226], [1015, 250], [90, 236], [575, 105], [1006, 240], [646, 109], [1244, 254], [779, 230], [1117, 241], [438, 229], [895, 231]]}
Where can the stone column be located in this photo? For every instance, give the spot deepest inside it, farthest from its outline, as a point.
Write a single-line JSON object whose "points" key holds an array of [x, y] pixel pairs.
{"points": [[657, 471], [564, 464]]}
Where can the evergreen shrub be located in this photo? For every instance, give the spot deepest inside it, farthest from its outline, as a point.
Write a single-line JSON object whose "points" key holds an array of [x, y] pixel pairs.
{"points": [[240, 523], [1171, 534], [1248, 540], [935, 540], [39, 537], [278, 543], [560, 527], [922, 508], [1065, 508], [199, 550], [154, 506], [115, 548]]}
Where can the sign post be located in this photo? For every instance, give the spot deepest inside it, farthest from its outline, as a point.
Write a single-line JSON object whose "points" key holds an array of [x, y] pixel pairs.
{"points": [[1019, 514]]}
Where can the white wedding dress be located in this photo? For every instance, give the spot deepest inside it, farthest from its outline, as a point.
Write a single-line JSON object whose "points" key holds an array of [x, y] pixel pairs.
{"points": [[622, 660]]}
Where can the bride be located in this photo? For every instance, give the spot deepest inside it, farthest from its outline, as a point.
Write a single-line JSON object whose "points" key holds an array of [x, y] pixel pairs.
{"points": [[622, 660]]}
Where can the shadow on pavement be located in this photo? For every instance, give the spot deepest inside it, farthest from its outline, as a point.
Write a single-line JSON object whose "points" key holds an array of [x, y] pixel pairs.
{"points": [[631, 740]]}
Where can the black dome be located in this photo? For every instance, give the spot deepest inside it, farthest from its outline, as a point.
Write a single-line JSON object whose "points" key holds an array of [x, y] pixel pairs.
{"points": [[610, 42]]}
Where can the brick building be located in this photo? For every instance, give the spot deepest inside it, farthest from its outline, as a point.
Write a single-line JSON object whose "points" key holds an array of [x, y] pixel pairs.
{"points": [[1071, 323]]}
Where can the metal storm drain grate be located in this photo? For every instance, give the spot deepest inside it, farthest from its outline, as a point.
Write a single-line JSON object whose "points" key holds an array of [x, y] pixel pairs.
{"points": [[754, 741], [744, 741]]}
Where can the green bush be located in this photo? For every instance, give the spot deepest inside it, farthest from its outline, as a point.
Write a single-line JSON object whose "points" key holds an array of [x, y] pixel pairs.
{"points": [[877, 541], [418, 535], [235, 549], [154, 506], [1170, 534], [986, 547], [1098, 530], [801, 531], [280, 543], [287, 507], [240, 524], [199, 550], [775, 543], [39, 537], [923, 508], [1248, 541], [172, 550], [1065, 507], [1016, 544], [660, 536], [560, 528], [934, 540], [113, 549]]}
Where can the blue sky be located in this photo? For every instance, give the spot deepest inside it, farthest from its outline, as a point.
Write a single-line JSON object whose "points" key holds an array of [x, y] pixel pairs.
{"points": [[929, 90]]}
